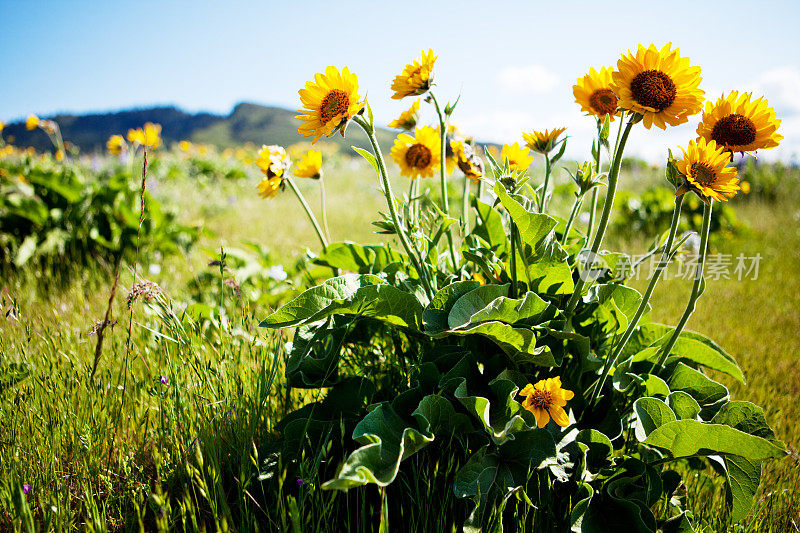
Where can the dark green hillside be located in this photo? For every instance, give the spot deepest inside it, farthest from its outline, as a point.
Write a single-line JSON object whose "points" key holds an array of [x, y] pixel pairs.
{"points": [[246, 123]]}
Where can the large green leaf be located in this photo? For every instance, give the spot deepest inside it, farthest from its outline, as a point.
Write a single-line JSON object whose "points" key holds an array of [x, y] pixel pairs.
{"points": [[502, 418], [693, 351], [489, 483], [622, 297], [747, 417], [354, 257], [623, 504], [472, 302], [434, 318], [518, 343], [386, 440], [702, 388], [541, 261], [684, 406], [687, 438], [489, 226], [651, 413], [436, 415], [489, 479], [743, 476], [530, 310], [487, 312], [691, 346], [314, 354], [364, 295]]}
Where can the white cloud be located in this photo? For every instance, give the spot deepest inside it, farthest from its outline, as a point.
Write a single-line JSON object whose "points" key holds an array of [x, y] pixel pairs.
{"points": [[504, 120], [527, 79], [781, 87]]}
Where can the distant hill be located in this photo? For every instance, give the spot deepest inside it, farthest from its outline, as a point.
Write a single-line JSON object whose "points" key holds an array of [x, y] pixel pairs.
{"points": [[246, 123]]}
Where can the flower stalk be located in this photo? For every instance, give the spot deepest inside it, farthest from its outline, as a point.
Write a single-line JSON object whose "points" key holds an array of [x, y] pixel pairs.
{"points": [[387, 191], [593, 205], [608, 204], [514, 231], [666, 255], [697, 289], [576, 207], [547, 171], [443, 175], [465, 206], [310, 214]]}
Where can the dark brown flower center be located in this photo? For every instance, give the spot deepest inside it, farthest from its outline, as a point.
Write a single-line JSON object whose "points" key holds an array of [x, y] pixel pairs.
{"points": [[542, 399], [653, 88], [335, 103], [702, 173], [418, 156], [604, 102], [734, 130]]}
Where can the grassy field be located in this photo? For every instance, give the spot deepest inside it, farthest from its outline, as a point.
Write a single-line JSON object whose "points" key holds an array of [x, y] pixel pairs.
{"points": [[177, 424]]}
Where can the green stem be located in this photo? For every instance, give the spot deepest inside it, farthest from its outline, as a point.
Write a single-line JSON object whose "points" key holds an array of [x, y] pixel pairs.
{"points": [[593, 208], [465, 206], [608, 204], [411, 212], [634, 323], [387, 191], [310, 214], [324, 208], [443, 153], [547, 170], [443, 175], [513, 292], [576, 207], [592, 211], [696, 289]]}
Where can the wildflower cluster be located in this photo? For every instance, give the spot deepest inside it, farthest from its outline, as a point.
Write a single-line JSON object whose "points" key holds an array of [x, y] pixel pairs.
{"points": [[485, 335]]}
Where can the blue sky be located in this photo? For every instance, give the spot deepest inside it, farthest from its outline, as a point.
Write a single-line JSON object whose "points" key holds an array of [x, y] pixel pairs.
{"points": [[513, 62]]}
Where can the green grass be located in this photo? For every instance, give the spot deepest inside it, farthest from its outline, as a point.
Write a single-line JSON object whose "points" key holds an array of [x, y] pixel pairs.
{"points": [[123, 451]]}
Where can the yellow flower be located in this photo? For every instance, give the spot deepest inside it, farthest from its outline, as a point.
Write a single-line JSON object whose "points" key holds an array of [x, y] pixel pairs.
{"points": [[2, 125], [149, 135], [468, 161], [59, 155], [185, 146], [408, 118], [745, 186], [659, 85], [329, 102], [32, 122], [543, 141], [115, 144], [705, 166], [273, 161], [740, 124], [416, 78], [518, 158], [152, 135], [417, 157], [480, 278], [547, 399], [310, 165], [593, 93], [269, 187]]}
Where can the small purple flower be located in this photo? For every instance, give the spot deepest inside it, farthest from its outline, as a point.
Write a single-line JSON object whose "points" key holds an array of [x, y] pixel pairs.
{"points": [[300, 482], [26, 488], [165, 380]]}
